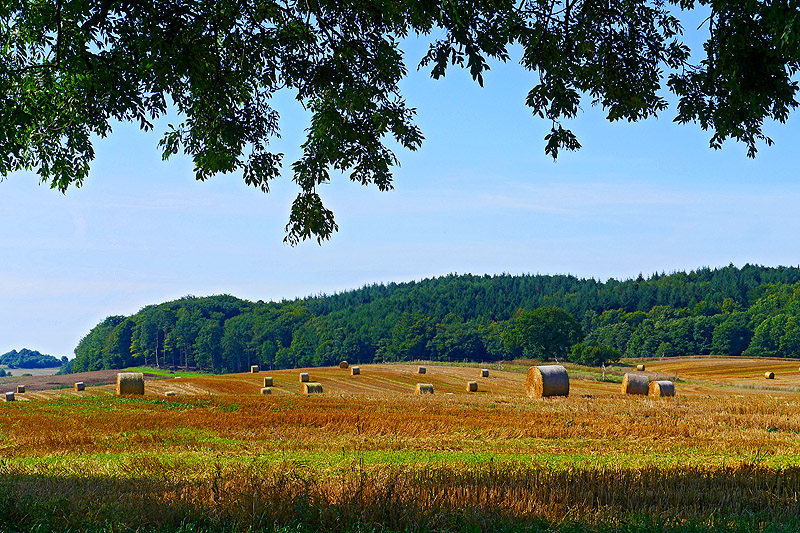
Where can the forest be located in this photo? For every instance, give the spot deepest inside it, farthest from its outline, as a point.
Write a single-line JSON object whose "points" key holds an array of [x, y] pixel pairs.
{"points": [[25, 358], [752, 310]]}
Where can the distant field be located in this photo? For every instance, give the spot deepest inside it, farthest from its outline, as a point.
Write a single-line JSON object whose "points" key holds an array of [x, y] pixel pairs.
{"points": [[725, 450], [33, 371], [52, 382]]}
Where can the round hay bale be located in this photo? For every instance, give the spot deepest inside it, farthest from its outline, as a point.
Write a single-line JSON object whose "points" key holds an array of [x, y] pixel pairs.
{"points": [[343, 365], [10, 397], [484, 372], [254, 369], [266, 390], [79, 386], [548, 380], [169, 393], [303, 377], [130, 383], [768, 375], [472, 386], [268, 381], [421, 370], [20, 389], [312, 388], [355, 371], [635, 384], [640, 368], [662, 388], [424, 388]]}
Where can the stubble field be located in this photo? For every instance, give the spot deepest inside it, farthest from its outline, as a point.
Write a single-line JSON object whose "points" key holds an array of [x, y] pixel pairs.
{"points": [[724, 454]]}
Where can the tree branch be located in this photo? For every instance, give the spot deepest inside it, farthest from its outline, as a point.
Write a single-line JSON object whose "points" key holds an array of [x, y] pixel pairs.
{"points": [[58, 32]]}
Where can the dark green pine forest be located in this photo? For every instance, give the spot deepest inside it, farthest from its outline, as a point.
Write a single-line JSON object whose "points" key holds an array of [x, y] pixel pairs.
{"points": [[753, 310]]}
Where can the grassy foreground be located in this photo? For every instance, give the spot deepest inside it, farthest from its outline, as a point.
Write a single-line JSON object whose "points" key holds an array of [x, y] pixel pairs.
{"points": [[376, 458], [163, 496]]}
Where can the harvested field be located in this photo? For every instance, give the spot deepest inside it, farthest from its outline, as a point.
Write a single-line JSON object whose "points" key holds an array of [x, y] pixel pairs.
{"points": [[50, 371], [710, 374], [49, 382], [720, 426], [698, 376], [715, 421]]}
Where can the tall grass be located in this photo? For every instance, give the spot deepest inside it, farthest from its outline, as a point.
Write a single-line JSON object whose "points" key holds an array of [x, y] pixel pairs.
{"points": [[156, 495]]}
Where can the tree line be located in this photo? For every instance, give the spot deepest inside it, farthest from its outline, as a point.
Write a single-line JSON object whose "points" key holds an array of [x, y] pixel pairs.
{"points": [[26, 358], [751, 310]]}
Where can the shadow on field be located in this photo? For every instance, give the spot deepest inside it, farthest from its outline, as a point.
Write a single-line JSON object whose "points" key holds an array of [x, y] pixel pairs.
{"points": [[426, 498]]}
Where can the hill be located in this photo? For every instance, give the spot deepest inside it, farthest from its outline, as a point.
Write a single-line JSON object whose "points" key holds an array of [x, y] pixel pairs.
{"points": [[751, 310], [29, 359]]}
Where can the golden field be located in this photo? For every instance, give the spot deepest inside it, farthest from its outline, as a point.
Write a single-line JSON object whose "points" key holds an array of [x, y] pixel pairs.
{"points": [[726, 444]]}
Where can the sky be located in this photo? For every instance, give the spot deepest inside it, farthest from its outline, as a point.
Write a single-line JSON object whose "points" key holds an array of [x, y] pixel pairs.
{"points": [[479, 197]]}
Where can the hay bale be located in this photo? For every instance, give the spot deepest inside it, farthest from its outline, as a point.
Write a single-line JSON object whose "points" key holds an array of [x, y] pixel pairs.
{"points": [[268, 381], [130, 383], [662, 388], [303, 377], [79, 386], [266, 390], [355, 371], [20, 389], [254, 369], [635, 384], [484, 372], [10, 397], [312, 388], [424, 388], [343, 365], [640, 368], [472, 386], [548, 380], [768, 375], [421, 370], [169, 393]]}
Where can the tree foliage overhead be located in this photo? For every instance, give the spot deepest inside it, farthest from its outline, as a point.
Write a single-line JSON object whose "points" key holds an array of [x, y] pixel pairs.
{"points": [[728, 311], [70, 68]]}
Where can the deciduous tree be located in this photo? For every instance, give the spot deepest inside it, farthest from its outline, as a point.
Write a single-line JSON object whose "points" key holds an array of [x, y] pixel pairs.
{"points": [[70, 68], [547, 332]]}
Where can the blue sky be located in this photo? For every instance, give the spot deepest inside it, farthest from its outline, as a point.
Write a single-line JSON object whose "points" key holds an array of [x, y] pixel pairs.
{"points": [[479, 197]]}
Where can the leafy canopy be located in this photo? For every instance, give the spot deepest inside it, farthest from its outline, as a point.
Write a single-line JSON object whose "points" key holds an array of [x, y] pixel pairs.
{"points": [[69, 68], [545, 333]]}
